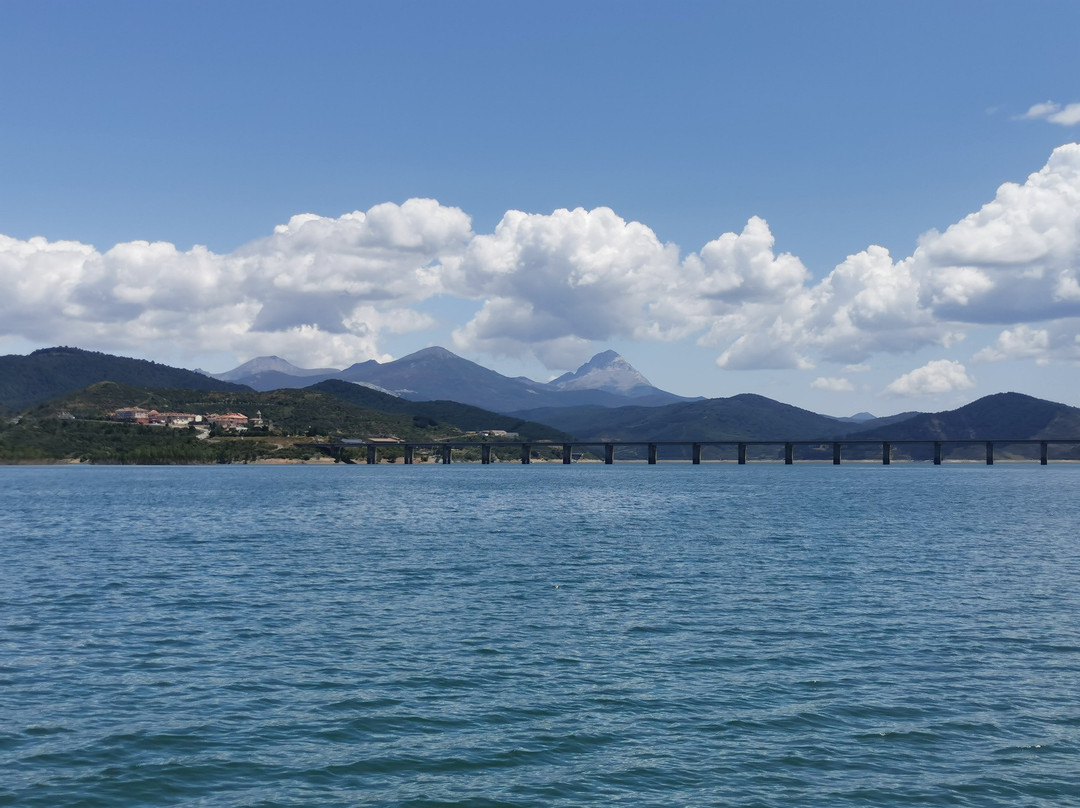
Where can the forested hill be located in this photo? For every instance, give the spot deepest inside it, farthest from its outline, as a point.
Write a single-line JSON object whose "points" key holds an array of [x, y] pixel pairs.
{"points": [[741, 417], [291, 411], [463, 416], [1002, 416], [319, 411], [52, 372]]}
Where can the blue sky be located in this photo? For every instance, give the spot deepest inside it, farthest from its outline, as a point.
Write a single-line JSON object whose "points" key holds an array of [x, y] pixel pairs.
{"points": [[200, 127]]}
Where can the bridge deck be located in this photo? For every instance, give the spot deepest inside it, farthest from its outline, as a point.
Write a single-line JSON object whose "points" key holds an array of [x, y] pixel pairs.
{"points": [[527, 448]]}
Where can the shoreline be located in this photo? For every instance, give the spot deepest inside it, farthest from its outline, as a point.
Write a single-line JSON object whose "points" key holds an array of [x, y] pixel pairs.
{"points": [[329, 461]]}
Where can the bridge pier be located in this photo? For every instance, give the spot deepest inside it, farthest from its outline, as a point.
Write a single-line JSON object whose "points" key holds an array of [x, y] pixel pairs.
{"points": [[443, 452]]}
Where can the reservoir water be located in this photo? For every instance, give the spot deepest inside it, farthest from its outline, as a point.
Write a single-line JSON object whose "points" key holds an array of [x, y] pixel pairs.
{"points": [[540, 635]]}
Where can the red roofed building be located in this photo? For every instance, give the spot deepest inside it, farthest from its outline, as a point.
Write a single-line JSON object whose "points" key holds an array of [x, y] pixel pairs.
{"points": [[230, 420]]}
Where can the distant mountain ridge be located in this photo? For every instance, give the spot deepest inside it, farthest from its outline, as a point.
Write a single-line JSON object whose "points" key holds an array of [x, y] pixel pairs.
{"points": [[857, 418], [448, 386], [433, 374], [741, 417], [462, 416], [331, 408], [49, 373], [749, 417], [1001, 416], [265, 364]]}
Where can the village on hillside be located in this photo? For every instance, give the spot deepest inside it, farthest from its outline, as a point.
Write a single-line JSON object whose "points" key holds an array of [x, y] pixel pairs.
{"points": [[231, 421], [238, 422]]}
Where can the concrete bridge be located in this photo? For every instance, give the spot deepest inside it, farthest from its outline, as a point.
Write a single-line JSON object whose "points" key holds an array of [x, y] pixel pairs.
{"points": [[524, 449]]}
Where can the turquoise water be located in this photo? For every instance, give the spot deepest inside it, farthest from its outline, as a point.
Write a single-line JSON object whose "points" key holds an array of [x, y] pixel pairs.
{"points": [[540, 635]]}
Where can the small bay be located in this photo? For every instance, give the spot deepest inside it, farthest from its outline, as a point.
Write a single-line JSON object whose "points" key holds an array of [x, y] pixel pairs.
{"points": [[549, 635]]}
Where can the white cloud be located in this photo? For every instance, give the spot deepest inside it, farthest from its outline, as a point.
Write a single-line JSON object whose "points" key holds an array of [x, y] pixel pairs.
{"points": [[554, 283], [1058, 340], [317, 271], [1017, 259], [1021, 342], [1014, 261], [753, 301], [742, 267], [327, 291], [320, 290], [1067, 115], [833, 384], [933, 378], [870, 304]]}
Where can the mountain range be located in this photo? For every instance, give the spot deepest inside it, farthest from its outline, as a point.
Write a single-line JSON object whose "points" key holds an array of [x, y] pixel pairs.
{"points": [[606, 380], [605, 399], [741, 417]]}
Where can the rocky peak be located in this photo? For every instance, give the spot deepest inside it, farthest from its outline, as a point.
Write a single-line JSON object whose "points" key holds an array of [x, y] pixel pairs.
{"points": [[605, 371]]}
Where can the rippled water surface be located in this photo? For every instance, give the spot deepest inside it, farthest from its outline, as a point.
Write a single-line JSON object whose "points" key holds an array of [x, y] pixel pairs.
{"points": [[540, 635]]}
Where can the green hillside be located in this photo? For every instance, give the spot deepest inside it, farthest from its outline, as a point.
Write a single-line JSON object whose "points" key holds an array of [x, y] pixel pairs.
{"points": [[463, 416], [73, 426], [51, 372], [290, 411], [51, 439], [1003, 416], [742, 417]]}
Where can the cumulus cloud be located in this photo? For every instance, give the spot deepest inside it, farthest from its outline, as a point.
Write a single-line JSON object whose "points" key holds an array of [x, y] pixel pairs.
{"points": [[552, 284], [933, 378], [1016, 259], [1067, 115], [318, 289], [328, 291], [832, 384], [753, 300], [1057, 340]]}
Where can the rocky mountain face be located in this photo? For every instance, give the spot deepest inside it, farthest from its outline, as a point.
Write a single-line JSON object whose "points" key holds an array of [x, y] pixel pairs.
{"points": [[606, 371]]}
